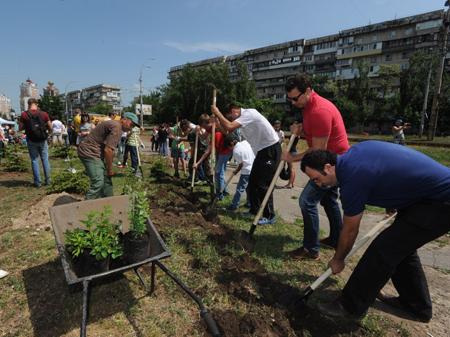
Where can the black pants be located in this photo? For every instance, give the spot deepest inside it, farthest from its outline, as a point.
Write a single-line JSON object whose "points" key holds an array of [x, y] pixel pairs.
{"points": [[263, 171], [393, 255]]}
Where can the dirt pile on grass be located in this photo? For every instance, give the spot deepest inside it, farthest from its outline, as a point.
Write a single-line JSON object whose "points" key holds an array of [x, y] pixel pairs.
{"points": [[37, 216]]}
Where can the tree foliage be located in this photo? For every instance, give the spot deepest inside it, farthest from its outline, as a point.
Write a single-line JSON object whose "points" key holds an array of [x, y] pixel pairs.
{"points": [[52, 105], [100, 108]]}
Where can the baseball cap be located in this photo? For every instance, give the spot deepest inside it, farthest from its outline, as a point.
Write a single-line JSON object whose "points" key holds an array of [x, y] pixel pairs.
{"points": [[132, 117]]}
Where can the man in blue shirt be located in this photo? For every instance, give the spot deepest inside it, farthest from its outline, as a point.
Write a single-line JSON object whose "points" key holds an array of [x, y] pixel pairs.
{"points": [[389, 176]]}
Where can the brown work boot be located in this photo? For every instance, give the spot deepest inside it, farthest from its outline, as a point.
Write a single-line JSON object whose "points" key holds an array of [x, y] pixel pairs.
{"points": [[303, 254]]}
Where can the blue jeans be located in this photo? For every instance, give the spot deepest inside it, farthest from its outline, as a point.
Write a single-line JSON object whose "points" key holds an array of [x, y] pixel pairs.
{"points": [[163, 149], [310, 197], [221, 167], [132, 150], [36, 150], [240, 188]]}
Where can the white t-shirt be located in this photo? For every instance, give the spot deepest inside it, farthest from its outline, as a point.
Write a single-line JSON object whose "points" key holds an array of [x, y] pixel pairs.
{"points": [[243, 153], [257, 129], [57, 126]]}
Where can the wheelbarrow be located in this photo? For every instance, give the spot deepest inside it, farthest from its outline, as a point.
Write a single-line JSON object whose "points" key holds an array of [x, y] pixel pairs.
{"points": [[67, 217]]}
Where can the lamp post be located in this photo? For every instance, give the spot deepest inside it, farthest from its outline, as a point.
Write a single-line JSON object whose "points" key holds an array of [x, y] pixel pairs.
{"points": [[143, 66]]}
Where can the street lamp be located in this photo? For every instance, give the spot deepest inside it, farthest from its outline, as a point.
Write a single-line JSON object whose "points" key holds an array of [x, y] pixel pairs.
{"points": [[143, 66]]}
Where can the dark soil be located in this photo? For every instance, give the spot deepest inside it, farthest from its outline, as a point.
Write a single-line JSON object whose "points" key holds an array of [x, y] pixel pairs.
{"points": [[274, 304]]}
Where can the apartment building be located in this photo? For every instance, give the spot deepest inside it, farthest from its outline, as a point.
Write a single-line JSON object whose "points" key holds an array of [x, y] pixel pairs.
{"points": [[89, 97], [5, 106], [336, 56], [28, 89]]}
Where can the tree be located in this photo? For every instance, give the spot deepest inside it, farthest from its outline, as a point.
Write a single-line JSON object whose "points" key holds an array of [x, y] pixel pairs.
{"points": [[189, 94], [100, 108], [413, 82], [52, 105]]}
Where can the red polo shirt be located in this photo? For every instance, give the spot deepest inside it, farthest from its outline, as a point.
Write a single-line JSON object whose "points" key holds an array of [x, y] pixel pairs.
{"points": [[321, 119]]}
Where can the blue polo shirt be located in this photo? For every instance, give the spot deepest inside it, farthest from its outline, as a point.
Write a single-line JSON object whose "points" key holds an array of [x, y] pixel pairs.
{"points": [[390, 176]]}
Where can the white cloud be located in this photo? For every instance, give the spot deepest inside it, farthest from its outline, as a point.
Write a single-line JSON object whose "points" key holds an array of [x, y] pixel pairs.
{"points": [[194, 47]]}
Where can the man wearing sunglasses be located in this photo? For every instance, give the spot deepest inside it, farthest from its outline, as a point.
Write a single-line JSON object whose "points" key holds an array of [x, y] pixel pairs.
{"points": [[323, 129]]}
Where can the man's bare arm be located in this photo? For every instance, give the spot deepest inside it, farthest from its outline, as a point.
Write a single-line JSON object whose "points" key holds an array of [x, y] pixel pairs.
{"points": [[347, 238]]}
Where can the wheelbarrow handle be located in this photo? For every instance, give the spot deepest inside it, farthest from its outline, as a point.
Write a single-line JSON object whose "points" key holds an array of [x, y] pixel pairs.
{"points": [[210, 323], [361, 242]]}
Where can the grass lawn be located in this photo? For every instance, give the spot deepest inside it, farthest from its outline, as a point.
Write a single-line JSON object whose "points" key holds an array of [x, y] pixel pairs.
{"points": [[246, 288]]}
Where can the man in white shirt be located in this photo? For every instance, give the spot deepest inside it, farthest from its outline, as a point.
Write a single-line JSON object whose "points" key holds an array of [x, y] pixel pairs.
{"points": [[244, 156], [265, 143], [57, 131]]}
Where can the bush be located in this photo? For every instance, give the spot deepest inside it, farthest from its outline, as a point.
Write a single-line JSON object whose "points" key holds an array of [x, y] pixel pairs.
{"points": [[66, 181], [14, 162], [62, 152], [159, 167]]}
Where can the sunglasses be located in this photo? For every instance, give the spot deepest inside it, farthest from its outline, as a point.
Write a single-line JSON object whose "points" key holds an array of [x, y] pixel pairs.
{"points": [[295, 99]]}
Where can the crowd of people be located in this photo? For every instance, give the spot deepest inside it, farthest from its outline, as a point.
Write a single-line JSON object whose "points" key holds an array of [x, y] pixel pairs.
{"points": [[370, 173]]}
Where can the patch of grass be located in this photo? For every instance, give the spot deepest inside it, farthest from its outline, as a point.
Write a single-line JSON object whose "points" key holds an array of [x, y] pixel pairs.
{"points": [[440, 154], [375, 209]]}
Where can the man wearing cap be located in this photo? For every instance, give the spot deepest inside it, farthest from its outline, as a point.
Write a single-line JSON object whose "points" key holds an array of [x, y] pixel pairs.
{"points": [[96, 153]]}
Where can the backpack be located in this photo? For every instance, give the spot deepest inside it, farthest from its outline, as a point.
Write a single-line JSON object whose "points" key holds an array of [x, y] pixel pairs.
{"points": [[38, 128]]}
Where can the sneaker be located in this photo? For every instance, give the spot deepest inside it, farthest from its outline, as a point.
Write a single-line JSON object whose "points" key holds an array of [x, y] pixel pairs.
{"points": [[231, 209], [328, 242], [266, 221], [335, 309], [303, 254]]}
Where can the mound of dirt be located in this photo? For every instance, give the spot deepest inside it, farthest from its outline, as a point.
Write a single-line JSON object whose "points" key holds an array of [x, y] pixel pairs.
{"points": [[37, 217], [267, 324]]}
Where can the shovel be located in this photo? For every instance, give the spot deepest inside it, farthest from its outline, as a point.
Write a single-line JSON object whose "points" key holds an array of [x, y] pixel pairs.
{"points": [[139, 174], [195, 160], [213, 145], [301, 302], [211, 211], [270, 189]]}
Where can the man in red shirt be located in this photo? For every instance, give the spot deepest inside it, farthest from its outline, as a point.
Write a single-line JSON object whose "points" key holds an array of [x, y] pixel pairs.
{"points": [[36, 124], [323, 129]]}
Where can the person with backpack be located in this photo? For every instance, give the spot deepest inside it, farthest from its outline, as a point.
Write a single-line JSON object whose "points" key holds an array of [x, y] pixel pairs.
{"points": [[37, 125]]}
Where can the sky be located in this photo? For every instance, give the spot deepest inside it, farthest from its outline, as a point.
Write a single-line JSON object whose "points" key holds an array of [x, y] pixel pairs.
{"points": [[80, 43]]}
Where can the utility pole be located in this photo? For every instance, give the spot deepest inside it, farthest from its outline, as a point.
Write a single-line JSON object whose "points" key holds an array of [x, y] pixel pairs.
{"points": [[140, 98], [437, 93], [425, 100]]}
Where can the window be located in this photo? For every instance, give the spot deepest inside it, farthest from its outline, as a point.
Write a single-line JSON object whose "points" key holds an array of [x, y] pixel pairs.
{"points": [[393, 33], [408, 31], [373, 60], [388, 57]]}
